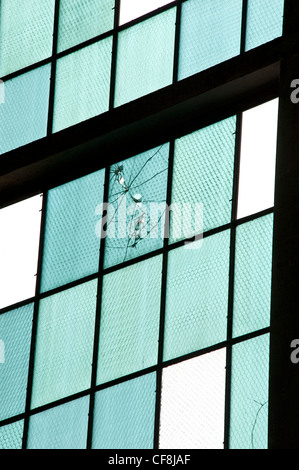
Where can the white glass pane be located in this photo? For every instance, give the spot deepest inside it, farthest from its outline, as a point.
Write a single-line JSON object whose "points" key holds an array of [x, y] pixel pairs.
{"points": [[258, 156], [192, 410], [19, 242], [131, 9]]}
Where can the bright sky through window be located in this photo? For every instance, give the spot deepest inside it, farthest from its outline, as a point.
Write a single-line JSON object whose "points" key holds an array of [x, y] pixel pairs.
{"points": [[131, 9]]}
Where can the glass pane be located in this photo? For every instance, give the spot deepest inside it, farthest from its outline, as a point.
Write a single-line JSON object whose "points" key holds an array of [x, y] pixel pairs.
{"points": [[129, 328], [24, 113], [82, 84], [124, 415], [11, 435], [249, 394], [264, 22], [203, 174], [137, 205], [145, 57], [210, 34], [19, 243], [192, 410], [131, 9], [253, 269], [197, 295], [15, 339], [71, 248], [26, 33], [258, 155], [63, 427], [82, 20], [64, 344]]}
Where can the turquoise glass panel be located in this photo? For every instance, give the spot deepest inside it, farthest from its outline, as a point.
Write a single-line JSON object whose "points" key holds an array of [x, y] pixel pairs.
{"points": [[11, 436], [249, 394], [264, 22], [253, 269], [15, 340], [210, 34], [82, 20], [137, 206], [203, 175], [129, 328], [71, 246], [24, 113], [82, 84], [124, 415], [62, 427], [26, 33], [145, 57], [64, 344], [197, 295]]}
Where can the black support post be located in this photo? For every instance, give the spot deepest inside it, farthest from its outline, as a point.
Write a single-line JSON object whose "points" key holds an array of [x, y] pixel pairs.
{"points": [[284, 374]]}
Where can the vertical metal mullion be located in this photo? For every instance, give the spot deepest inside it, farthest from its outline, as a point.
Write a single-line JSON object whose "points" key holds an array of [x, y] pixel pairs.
{"points": [[34, 322], [98, 316], [163, 298], [114, 54], [177, 42], [244, 26], [232, 280], [53, 69]]}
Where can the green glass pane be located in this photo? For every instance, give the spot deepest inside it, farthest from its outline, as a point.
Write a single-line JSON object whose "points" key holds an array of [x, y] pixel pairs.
{"points": [[129, 327], [11, 436], [203, 174], [197, 295], [82, 20], [145, 57], [249, 394], [253, 268], [137, 206], [26, 33], [15, 339], [71, 246], [24, 113], [192, 406], [63, 427], [82, 84], [64, 344], [210, 34], [264, 22], [124, 415]]}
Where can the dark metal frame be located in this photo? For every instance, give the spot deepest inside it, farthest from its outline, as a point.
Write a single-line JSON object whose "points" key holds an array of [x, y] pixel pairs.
{"points": [[224, 90]]}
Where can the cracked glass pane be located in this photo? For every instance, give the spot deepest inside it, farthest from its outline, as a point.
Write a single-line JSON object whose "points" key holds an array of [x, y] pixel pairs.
{"points": [[145, 57], [192, 408], [82, 20], [124, 415], [129, 328], [137, 206], [249, 394], [253, 270], [197, 295], [203, 174], [62, 427], [11, 435]]}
